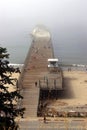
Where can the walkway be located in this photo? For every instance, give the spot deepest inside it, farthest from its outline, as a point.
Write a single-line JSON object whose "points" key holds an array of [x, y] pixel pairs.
{"points": [[35, 67], [34, 70], [54, 124]]}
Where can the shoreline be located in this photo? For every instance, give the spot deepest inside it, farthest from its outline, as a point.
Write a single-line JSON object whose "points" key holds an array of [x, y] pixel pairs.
{"points": [[81, 67]]}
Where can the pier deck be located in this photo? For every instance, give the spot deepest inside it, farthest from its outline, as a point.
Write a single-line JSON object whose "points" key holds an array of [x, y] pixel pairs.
{"points": [[34, 71]]}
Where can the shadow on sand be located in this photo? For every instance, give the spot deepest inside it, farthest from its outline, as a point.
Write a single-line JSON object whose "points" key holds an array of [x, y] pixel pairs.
{"points": [[65, 93]]}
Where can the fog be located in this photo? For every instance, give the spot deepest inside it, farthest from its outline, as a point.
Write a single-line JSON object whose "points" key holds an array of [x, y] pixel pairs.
{"points": [[65, 19]]}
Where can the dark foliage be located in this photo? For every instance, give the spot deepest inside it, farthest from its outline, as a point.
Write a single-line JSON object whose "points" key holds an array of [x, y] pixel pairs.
{"points": [[8, 110]]}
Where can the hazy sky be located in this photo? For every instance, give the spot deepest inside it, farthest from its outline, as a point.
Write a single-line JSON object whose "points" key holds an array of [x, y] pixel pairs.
{"points": [[19, 17], [65, 19]]}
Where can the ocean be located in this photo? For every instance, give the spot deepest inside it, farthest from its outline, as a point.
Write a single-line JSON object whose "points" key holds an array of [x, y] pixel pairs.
{"points": [[67, 53], [71, 53]]}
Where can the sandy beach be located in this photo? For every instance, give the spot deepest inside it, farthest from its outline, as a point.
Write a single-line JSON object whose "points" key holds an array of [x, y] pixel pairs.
{"points": [[74, 94], [11, 87], [75, 88]]}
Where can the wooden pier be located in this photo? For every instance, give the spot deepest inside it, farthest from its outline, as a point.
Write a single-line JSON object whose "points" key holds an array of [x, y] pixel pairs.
{"points": [[35, 75]]}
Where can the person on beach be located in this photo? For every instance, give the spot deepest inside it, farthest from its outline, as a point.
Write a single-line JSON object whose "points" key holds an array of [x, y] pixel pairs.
{"points": [[44, 118], [35, 84], [69, 69]]}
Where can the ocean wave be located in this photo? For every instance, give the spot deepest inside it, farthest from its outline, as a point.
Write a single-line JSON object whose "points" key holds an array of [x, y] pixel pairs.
{"points": [[73, 65], [79, 65], [16, 65]]}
